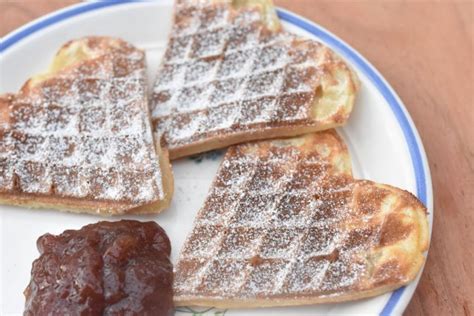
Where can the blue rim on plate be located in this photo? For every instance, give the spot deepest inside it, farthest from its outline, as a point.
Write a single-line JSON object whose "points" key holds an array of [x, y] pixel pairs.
{"points": [[398, 109]]}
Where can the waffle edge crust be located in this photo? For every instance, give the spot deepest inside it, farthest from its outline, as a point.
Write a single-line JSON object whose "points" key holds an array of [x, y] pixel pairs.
{"points": [[285, 223], [230, 74], [78, 137]]}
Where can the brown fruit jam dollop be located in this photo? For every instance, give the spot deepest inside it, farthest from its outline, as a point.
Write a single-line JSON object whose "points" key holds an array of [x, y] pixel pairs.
{"points": [[107, 268]]}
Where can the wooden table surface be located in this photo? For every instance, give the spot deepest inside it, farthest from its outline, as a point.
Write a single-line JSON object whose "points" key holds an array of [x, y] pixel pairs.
{"points": [[425, 50]]}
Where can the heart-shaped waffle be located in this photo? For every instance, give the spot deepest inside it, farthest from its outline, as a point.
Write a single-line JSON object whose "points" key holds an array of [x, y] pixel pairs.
{"points": [[230, 75], [285, 223], [79, 137]]}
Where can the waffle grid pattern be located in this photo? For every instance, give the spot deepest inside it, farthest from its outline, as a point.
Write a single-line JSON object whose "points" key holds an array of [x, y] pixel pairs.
{"points": [[224, 72], [83, 134], [272, 228]]}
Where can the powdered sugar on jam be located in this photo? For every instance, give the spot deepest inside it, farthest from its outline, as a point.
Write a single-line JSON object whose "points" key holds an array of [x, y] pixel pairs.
{"points": [[224, 72], [276, 223], [85, 133]]}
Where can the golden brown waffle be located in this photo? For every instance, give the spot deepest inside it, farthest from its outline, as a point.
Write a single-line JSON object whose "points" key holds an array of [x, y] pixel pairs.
{"points": [[286, 224], [79, 137], [230, 75]]}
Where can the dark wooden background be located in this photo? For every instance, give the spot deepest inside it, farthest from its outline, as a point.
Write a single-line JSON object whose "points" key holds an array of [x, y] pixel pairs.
{"points": [[425, 50]]}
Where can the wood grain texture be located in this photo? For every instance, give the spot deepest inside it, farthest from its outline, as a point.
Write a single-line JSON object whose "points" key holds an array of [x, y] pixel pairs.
{"points": [[15, 13], [425, 50]]}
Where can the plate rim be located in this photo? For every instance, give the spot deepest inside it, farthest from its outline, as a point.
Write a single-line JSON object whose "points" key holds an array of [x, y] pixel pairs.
{"points": [[412, 138]]}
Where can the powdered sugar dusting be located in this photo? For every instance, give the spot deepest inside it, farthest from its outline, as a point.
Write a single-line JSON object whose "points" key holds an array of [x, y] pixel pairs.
{"points": [[225, 67], [84, 133], [275, 224]]}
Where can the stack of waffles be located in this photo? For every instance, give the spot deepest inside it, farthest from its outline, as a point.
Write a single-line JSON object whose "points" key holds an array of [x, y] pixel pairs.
{"points": [[284, 223]]}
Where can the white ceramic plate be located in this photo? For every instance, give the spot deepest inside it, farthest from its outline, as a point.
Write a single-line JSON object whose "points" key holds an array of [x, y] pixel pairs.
{"points": [[382, 139]]}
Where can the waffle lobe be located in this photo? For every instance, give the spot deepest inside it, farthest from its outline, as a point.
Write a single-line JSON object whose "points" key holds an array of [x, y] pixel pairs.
{"points": [[84, 132], [225, 73]]}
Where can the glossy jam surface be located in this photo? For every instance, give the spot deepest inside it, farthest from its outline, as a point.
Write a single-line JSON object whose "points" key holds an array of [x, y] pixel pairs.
{"points": [[107, 268]]}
